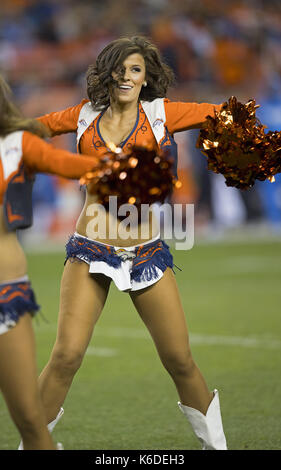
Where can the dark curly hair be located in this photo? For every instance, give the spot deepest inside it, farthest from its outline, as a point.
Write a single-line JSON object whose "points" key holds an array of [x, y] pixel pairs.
{"points": [[159, 76]]}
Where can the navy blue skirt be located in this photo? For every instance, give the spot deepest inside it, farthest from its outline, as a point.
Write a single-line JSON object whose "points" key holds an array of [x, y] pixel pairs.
{"points": [[145, 258], [16, 299]]}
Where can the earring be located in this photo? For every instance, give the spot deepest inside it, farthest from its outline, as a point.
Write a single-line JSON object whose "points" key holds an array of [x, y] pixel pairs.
{"points": [[144, 83]]}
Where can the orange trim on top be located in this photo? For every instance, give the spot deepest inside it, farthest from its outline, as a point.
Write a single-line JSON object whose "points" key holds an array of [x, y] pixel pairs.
{"points": [[19, 178]]}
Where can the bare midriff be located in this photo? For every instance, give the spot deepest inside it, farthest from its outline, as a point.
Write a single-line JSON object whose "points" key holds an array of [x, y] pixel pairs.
{"points": [[100, 225]]}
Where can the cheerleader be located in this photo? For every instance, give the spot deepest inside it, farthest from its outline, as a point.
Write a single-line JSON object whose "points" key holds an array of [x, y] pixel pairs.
{"points": [[127, 106], [22, 153]]}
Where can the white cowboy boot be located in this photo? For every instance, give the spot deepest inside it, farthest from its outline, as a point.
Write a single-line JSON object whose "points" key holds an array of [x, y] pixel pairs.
{"points": [[50, 426], [208, 429]]}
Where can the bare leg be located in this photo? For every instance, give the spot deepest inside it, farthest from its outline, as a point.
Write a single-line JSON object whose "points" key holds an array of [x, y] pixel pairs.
{"points": [[18, 382], [82, 299], [161, 310]]}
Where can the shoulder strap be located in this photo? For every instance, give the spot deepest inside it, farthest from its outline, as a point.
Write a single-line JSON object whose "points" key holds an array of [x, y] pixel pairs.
{"points": [[155, 113], [11, 152], [86, 117]]}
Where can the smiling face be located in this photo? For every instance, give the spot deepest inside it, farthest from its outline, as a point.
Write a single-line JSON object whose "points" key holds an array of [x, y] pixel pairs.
{"points": [[129, 80]]}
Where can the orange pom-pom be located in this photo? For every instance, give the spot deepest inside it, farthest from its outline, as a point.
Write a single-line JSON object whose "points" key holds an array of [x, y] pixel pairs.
{"points": [[142, 176], [237, 146]]}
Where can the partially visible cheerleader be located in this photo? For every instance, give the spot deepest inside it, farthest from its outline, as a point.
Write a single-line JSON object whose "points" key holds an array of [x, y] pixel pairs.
{"points": [[23, 152]]}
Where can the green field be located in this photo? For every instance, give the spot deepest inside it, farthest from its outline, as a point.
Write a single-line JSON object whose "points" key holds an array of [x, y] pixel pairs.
{"points": [[122, 398]]}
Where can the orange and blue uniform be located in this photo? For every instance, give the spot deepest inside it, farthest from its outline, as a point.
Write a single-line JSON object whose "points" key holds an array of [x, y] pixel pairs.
{"points": [[16, 298], [131, 268], [155, 126], [21, 155], [162, 115], [180, 116]]}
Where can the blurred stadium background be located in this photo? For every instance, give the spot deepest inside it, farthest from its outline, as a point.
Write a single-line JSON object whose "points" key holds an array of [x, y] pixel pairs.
{"points": [[231, 291], [216, 49]]}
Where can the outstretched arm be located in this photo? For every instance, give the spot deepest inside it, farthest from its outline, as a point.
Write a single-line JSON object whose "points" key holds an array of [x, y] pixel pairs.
{"points": [[183, 116], [61, 122], [41, 157]]}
